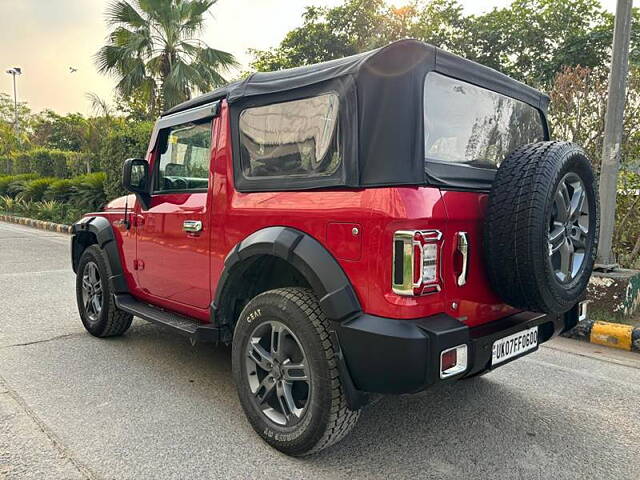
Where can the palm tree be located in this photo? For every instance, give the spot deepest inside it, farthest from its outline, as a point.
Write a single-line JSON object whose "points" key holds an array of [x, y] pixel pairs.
{"points": [[152, 49]]}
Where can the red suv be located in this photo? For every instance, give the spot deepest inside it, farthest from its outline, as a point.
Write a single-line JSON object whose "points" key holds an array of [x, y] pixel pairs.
{"points": [[375, 224]]}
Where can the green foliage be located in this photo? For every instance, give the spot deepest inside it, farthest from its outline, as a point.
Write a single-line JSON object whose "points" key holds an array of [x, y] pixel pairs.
{"points": [[10, 185], [154, 51], [47, 162], [6, 164], [34, 190], [56, 200], [7, 112], [79, 163], [59, 132], [48, 210], [627, 231], [126, 141], [530, 40], [20, 163], [89, 191], [8, 204], [60, 190], [577, 108]]}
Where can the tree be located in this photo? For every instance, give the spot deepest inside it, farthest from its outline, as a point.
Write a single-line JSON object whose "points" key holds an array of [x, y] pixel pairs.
{"points": [[153, 51], [578, 100], [52, 130], [10, 140], [530, 40], [577, 109], [360, 25]]}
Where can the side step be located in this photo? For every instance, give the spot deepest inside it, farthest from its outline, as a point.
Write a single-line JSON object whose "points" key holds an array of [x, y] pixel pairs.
{"points": [[189, 327]]}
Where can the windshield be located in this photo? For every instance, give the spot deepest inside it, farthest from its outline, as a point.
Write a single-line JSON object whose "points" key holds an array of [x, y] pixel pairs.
{"points": [[470, 125]]}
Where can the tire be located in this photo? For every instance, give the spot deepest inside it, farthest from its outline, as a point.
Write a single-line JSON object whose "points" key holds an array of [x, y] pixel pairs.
{"points": [[537, 253], [325, 418], [107, 320]]}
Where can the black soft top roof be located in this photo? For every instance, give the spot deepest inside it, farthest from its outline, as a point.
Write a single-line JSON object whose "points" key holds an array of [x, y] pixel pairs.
{"points": [[403, 55]]}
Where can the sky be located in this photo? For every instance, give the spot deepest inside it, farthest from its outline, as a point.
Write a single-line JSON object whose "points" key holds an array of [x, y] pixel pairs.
{"points": [[47, 37]]}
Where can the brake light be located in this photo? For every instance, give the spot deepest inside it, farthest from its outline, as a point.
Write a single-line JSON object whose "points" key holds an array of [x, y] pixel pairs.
{"points": [[416, 262]]}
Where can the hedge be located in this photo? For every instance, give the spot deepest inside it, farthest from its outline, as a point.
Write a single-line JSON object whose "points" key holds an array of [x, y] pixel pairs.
{"points": [[44, 162], [125, 141]]}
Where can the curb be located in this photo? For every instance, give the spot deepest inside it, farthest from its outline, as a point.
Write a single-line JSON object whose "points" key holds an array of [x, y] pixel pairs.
{"points": [[616, 335], [40, 224]]}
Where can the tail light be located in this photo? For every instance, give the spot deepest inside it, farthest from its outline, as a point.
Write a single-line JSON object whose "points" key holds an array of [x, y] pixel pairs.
{"points": [[416, 269]]}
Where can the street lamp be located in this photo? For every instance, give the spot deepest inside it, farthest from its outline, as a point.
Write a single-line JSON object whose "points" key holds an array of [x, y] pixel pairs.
{"points": [[13, 72]]}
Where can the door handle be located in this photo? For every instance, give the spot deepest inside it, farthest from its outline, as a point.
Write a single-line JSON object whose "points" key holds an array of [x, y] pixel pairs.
{"points": [[192, 226], [463, 247]]}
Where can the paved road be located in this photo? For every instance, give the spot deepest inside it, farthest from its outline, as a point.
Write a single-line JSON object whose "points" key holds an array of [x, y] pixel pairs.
{"points": [[149, 405]]}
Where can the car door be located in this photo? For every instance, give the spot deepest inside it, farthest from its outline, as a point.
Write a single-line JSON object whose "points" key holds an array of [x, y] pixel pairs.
{"points": [[174, 232]]}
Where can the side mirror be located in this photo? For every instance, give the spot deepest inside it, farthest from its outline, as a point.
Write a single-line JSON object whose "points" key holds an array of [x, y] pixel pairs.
{"points": [[135, 179]]}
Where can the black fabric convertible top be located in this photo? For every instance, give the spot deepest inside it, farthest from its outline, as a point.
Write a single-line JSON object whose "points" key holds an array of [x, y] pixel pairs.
{"points": [[261, 83], [387, 120]]}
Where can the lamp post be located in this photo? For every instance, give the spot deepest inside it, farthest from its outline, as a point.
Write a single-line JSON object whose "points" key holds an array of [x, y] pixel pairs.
{"points": [[14, 72]]}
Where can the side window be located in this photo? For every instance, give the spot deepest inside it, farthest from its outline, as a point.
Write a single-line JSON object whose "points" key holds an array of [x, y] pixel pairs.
{"points": [[297, 138], [185, 153]]}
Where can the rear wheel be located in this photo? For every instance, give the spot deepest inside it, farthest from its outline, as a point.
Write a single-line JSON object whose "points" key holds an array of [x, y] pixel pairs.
{"points": [[284, 367], [96, 305]]}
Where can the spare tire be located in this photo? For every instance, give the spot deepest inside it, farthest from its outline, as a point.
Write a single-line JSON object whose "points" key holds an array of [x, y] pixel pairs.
{"points": [[541, 227]]}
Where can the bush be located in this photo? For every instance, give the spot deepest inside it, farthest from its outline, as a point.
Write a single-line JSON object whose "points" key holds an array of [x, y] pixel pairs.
{"points": [[7, 204], [626, 241], [125, 141], [48, 162], [41, 161], [34, 190], [6, 182], [89, 191], [51, 199], [49, 210], [80, 163], [6, 165], [60, 190], [4, 185], [21, 163]]}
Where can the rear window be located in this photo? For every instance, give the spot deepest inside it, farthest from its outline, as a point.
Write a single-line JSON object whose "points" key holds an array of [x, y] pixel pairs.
{"points": [[470, 125], [297, 138]]}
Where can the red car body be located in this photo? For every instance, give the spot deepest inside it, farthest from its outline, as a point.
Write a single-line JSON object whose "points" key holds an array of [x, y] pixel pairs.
{"points": [[167, 267]]}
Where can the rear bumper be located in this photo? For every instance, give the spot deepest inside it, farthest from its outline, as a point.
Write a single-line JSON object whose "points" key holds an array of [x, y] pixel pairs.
{"points": [[385, 355]]}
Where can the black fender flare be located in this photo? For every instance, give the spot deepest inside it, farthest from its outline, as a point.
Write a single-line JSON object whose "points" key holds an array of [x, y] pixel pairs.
{"points": [[84, 232], [320, 269]]}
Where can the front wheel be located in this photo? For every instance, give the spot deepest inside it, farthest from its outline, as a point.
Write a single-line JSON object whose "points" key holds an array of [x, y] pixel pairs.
{"points": [[284, 367], [96, 305]]}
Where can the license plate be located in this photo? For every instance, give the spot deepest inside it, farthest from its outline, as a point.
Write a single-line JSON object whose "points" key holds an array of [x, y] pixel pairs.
{"points": [[514, 345]]}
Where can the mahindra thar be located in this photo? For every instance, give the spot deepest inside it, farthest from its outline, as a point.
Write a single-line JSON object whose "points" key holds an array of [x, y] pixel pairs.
{"points": [[376, 224]]}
